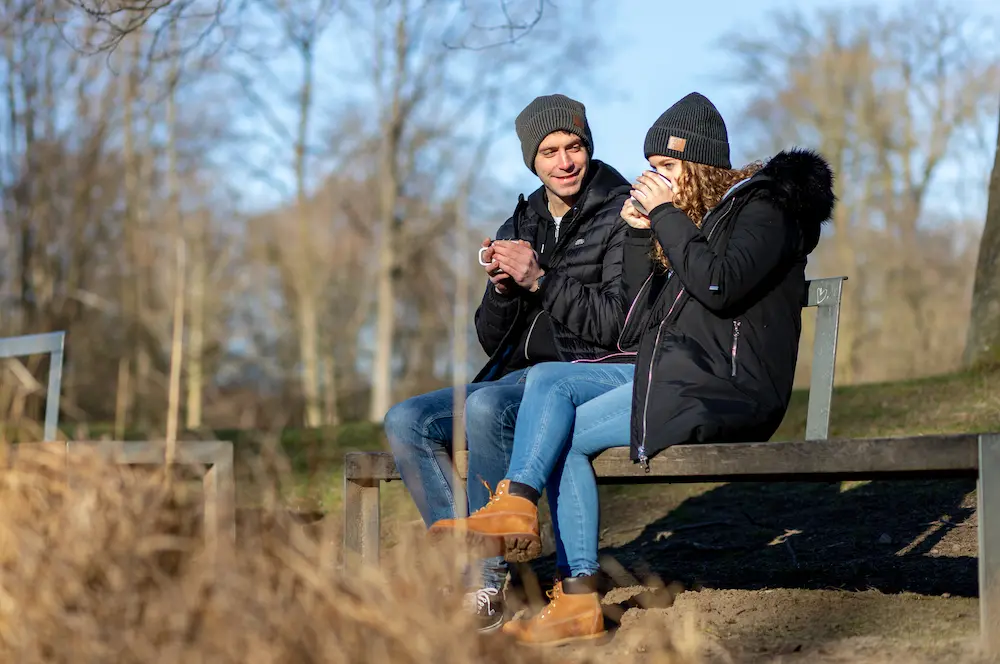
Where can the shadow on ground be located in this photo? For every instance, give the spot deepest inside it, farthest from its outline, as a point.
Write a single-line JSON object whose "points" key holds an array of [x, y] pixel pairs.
{"points": [[901, 536]]}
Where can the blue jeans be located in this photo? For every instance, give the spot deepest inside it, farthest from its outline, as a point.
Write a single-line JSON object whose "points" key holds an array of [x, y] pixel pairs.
{"points": [[419, 431], [571, 412]]}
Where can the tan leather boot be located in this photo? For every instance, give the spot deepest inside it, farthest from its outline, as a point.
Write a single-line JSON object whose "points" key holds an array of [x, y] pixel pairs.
{"points": [[574, 614], [507, 525]]}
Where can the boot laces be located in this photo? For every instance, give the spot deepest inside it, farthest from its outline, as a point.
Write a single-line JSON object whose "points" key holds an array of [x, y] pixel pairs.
{"points": [[482, 598], [554, 594], [494, 497]]}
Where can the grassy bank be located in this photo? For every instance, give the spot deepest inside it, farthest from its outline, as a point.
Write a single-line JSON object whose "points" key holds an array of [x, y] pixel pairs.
{"points": [[961, 402]]}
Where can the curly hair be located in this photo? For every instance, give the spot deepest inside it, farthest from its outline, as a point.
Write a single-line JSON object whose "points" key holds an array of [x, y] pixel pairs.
{"points": [[699, 189]]}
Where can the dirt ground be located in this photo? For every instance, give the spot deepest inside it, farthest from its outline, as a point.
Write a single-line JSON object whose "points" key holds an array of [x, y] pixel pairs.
{"points": [[786, 625], [819, 572], [812, 572], [804, 572]]}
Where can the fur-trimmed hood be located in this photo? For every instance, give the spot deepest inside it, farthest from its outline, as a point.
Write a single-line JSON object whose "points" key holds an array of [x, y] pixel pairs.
{"points": [[801, 183]]}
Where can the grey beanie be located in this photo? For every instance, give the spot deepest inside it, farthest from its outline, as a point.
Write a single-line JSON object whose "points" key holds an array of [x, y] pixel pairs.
{"points": [[547, 114], [691, 130]]}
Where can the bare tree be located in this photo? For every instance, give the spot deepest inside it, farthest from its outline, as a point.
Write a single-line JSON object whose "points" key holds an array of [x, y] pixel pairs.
{"points": [[303, 25], [983, 345], [54, 176], [115, 19], [98, 184], [887, 98], [429, 94]]}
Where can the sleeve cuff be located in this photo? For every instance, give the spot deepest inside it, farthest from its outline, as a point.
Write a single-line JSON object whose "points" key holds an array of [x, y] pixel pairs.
{"points": [[499, 297], [671, 226], [639, 233]]}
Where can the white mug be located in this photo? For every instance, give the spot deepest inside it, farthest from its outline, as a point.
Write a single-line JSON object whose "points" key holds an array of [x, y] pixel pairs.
{"points": [[481, 250], [642, 208]]}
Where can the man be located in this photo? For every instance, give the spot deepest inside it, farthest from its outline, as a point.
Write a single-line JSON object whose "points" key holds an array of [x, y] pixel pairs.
{"points": [[553, 295]]}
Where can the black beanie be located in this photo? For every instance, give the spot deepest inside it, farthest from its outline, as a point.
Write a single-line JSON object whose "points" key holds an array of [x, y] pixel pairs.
{"points": [[691, 130], [547, 114]]}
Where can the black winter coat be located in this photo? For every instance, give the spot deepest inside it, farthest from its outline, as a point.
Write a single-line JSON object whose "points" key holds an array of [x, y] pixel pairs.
{"points": [[580, 296], [718, 337]]}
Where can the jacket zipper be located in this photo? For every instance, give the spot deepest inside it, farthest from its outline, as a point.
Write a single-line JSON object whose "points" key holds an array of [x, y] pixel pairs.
{"points": [[566, 225], [732, 202], [630, 310], [643, 458], [530, 330], [736, 338]]}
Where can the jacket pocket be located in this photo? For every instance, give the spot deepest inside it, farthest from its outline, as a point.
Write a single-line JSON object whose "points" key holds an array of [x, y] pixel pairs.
{"points": [[540, 341], [735, 348]]}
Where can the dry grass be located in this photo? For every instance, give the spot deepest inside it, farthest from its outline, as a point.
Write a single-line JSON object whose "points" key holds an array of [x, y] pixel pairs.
{"points": [[105, 564]]}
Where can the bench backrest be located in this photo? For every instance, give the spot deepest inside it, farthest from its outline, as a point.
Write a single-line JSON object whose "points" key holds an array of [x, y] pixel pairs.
{"points": [[39, 344], [824, 294]]}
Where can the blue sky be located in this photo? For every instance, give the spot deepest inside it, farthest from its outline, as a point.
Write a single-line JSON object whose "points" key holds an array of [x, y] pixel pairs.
{"points": [[622, 99], [621, 106], [624, 91]]}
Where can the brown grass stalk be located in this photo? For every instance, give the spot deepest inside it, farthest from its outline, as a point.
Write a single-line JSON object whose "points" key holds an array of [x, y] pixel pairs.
{"points": [[103, 563]]}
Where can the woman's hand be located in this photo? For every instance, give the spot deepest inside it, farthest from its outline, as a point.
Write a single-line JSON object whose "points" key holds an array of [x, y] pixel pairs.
{"points": [[652, 190], [632, 216]]}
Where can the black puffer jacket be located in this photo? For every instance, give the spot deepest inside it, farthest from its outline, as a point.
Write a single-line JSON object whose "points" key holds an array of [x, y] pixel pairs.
{"points": [[580, 298], [718, 338]]}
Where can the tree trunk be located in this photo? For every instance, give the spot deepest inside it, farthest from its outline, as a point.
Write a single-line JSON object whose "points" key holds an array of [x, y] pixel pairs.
{"points": [[385, 327], [176, 220], [145, 305], [305, 268], [331, 412], [308, 342], [196, 334], [460, 344], [121, 397], [129, 281], [385, 311], [983, 341]]}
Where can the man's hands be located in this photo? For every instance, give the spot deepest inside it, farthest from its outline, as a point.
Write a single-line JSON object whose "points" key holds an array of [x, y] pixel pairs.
{"points": [[497, 276], [512, 259]]}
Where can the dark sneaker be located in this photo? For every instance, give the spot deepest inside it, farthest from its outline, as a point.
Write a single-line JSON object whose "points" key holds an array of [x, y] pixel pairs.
{"points": [[488, 605]]}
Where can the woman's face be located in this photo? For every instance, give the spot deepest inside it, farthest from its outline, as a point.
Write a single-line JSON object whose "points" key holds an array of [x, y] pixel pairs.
{"points": [[668, 167]]}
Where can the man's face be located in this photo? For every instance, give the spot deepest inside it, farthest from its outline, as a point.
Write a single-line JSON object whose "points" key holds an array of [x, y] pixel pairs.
{"points": [[561, 163]]}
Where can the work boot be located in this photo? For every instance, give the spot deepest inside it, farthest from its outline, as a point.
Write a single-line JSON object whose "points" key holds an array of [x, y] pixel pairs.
{"points": [[507, 525], [573, 614]]}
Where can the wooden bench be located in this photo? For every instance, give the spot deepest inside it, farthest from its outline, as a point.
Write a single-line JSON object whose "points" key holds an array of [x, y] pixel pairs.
{"points": [[817, 458], [218, 482]]}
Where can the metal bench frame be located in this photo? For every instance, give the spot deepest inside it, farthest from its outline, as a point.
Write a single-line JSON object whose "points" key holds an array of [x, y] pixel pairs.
{"points": [[817, 458], [51, 343]]}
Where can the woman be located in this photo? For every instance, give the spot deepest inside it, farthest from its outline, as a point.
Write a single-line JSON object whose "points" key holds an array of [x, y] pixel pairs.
{"points": [[717, 272]]}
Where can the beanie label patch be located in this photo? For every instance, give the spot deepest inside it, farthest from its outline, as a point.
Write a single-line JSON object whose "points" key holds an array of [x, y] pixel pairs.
{"points": [[578, 122], [676, 143]]}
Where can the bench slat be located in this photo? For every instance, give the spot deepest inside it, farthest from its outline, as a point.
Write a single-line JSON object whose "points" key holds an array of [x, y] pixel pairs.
{"points": [[154, 451], [932, 455]]}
